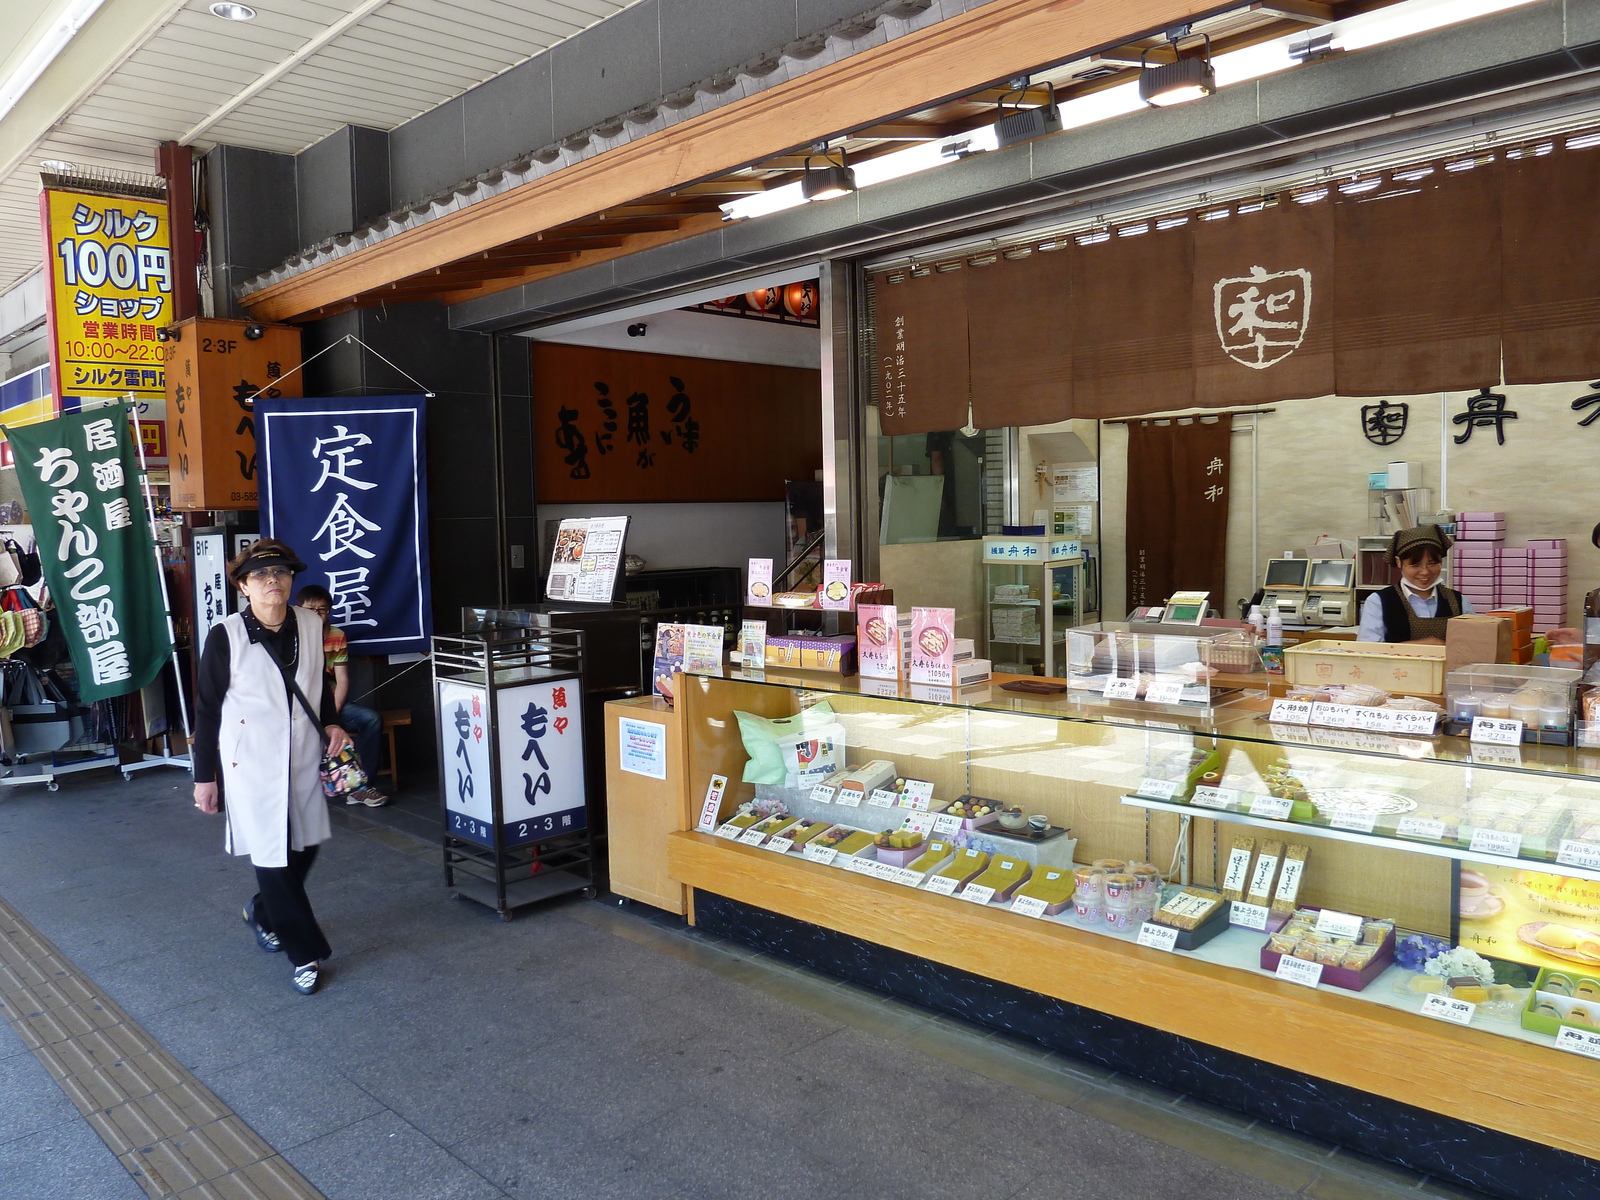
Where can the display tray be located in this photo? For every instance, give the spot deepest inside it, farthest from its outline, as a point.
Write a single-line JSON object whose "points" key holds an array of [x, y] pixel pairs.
{"points": [[1034, 687], [1024, 835], [1193, 939], [1587, 1012], [1342, 977]]}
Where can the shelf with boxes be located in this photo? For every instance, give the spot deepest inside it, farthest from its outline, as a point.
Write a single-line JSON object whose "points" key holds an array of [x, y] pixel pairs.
{"points": [[996, 837]]}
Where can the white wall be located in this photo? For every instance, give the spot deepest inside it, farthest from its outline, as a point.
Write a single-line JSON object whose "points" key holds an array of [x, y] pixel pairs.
{"points": [[688, 535]]}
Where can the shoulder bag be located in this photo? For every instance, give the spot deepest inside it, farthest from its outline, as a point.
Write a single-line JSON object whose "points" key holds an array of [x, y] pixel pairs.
{"points": [[341, 773]]}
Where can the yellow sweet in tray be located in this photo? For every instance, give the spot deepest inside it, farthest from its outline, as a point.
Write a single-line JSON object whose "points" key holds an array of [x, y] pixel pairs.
{"points": [[1003, 874], [776, 824], [938, 851], [859, 839], [745, 820], [802, 832], [1050, 884], [965, 866]]}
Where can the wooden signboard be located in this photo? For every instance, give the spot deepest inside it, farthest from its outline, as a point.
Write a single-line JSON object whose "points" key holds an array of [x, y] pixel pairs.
{"points": [[613, 426], [213, 370]]}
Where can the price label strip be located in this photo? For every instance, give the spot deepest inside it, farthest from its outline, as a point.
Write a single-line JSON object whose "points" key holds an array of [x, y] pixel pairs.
{"points": [[1158, 789], [1029, 906], [848, 798], [822, 794], [861, 866], [1496, 841], [883, 798], [1357, 822], [1166, 692], [945, 824], [1298, 970], [1447, 1008], [779, 845], [1579, 854], [1495, 731], [1421, 827], [1290, 712], [1158, 937], [977, 893], [1275, 808], [1214, 797], [1339, 925], [1578, 1041], [752, 837], [819, 854], [942, 885], [730, 831], [1248, 916], [1121, 689]]}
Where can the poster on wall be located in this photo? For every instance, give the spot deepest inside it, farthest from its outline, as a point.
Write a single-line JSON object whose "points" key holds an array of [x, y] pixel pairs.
{"points": [[342, 481], [618, 426], [585, 559], [1530, 917], [109, 291]]}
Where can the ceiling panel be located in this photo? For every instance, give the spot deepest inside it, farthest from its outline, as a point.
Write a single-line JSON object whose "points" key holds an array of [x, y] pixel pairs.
{"points": [[402, 59]]}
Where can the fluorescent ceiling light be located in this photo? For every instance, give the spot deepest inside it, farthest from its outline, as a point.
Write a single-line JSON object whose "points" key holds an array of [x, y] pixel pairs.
{"points": [[1236, 66], [44, 52]]}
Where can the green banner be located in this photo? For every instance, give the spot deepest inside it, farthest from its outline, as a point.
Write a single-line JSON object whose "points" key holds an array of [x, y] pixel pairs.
{"points": [[80, 479]]}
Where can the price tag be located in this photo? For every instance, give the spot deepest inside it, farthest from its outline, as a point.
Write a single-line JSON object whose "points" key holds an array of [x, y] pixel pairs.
{"points": [[1495, 731], [944, 823], [906, 877], [1359, 822], [885, 871], [1250, 916], [1158, 789], [1421, 827], [1578, 1041], [1413, 721], [1158, 937], [1298, 970], [1291, 712], [819, 854], [1164, 692], [780, 845], [1029, 906], [822, 793], [1447, 1008], [883, 798], [1496, 841], [849, 798], [1121, 689], [861, 866], [713, 802], [752, 837], [1579, 854], [977, 893], [1338, 924], [942, 884], [1214, 797], [1274, 808], [918, 794], [729, 831], [1337, 716]]}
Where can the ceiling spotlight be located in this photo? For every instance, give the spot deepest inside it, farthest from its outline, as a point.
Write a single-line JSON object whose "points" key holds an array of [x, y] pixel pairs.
{"points": [[170, 333], [1025, 124], [637, 329], [828, 181], [1178, 81], [233, 12], [254, 333]]}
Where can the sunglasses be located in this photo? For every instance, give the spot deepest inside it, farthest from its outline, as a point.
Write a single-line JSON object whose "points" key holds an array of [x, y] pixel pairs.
{"points": [[265, 573]]}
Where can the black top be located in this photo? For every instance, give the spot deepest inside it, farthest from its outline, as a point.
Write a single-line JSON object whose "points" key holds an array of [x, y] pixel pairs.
{"points": [[215, 673], [1401, 622]]}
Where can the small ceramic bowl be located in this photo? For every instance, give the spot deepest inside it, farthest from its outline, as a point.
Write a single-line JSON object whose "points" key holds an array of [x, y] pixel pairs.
{"points": [[1038, 822], [1013, 820]]}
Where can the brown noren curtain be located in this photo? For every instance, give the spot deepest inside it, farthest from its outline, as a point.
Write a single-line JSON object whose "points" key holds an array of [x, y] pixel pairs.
{"points": [[1177, 503], [1021, 345], [922, 351]]}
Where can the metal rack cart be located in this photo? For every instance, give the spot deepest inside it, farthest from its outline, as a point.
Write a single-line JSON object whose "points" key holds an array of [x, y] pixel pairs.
{"points": [[509, 701]]}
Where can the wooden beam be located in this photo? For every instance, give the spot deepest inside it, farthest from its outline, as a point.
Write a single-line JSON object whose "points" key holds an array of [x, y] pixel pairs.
{"points": [[1307, 12], [946, 60], [905, 131], [722, 187]]}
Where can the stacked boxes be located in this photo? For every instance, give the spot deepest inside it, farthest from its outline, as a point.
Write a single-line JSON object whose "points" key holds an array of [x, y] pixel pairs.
{"points": [[1475, 573], [1512, 581], [1521, 621], [1481, 527], [1547, 579]]}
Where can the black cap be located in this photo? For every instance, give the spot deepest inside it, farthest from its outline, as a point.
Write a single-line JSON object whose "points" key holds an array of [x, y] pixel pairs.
{"points": [[269, 556]]}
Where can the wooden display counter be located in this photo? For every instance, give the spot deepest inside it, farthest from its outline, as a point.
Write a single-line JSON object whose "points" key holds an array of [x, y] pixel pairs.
{"points": [[1527, 1090], [641, 811]]}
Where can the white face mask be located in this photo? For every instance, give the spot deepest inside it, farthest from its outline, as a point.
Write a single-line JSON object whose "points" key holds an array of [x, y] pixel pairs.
{"points": [[1425, 593]]}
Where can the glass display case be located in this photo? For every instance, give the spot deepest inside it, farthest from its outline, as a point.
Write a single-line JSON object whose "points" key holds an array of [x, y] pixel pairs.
{"points": [[1033, 591], [1539, 699], [1408, 875], [1185, 666]]}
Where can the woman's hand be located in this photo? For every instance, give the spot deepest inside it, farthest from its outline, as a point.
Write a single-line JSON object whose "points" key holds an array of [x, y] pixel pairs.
{"points": [[338, 739], [205, 797]]}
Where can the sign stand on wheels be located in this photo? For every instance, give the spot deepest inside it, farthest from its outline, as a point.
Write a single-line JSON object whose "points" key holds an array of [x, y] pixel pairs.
{"points": [[510, 718]]}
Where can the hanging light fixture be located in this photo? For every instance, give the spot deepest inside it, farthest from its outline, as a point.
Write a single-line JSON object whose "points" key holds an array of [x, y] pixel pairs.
{"points": [[1180, 80], [829, 181]]}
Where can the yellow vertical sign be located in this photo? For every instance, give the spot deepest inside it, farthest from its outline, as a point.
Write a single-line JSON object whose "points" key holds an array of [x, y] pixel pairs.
{"points": [[110, 264]]}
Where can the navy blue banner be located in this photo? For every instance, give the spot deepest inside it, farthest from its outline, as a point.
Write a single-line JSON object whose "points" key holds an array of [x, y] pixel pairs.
{"points": [[343, 481]]}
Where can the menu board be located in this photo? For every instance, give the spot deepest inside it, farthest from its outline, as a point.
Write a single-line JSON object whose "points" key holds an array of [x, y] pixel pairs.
{"points": [[586, 558]]}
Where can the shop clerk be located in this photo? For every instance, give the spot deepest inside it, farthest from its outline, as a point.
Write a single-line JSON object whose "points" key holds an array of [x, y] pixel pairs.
{"points": [[1416, 608]]}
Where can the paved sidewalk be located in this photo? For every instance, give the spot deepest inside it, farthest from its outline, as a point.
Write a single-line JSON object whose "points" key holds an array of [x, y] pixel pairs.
{"points": [[582, 1050]]}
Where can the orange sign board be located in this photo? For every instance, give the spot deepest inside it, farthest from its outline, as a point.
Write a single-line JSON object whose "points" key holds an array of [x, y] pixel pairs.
{"points": [[213, 374]]}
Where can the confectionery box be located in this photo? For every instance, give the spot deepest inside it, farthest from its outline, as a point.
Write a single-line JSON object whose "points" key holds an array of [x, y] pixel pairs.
{"points": [[836, 654], [1192, 939], [1562, 997], [1350, 979]]}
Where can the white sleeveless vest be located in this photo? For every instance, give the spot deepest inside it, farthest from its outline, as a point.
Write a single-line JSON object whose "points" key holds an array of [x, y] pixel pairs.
{"points": [[271, 752]]}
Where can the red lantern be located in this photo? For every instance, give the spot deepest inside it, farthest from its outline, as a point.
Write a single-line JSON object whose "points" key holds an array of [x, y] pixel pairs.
{"points": [[764, 299], [800, 299], [725, 302]]}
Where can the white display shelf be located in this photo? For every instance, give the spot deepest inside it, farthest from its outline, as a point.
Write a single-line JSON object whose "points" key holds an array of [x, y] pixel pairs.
{"points": [[1382, 841]]}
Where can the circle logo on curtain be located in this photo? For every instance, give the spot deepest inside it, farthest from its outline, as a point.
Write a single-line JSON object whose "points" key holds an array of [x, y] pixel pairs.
{"points": [[1262, 317]]}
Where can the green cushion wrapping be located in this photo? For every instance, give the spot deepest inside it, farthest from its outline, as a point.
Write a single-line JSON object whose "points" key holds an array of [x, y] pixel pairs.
{"points": [[764, 738]]}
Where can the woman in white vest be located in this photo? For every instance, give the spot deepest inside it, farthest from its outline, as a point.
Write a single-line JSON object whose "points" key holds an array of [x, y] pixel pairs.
{"points": [[254, 733]]}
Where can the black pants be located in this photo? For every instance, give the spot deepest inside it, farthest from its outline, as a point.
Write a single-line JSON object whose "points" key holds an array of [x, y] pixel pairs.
{"points": [[282, 907]]}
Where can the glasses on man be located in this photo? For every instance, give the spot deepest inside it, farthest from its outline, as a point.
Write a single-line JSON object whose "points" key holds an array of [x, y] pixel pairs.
{"points": [[320, 609], [262, 574]]}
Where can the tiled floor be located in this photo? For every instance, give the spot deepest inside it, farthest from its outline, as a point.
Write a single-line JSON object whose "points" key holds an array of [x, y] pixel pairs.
{"points": [[583, 1050]]}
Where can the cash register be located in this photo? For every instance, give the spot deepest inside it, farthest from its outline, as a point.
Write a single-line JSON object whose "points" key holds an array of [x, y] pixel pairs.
{"points": [[1284, 588], [1330, 597]]}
